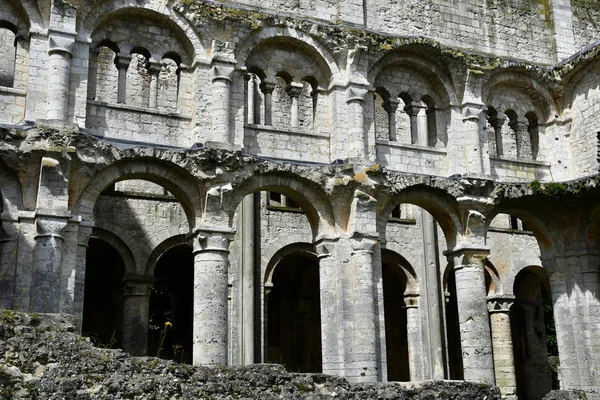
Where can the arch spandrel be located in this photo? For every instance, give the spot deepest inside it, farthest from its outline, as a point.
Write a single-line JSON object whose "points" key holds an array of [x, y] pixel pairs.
{"points": [[172, 177]]}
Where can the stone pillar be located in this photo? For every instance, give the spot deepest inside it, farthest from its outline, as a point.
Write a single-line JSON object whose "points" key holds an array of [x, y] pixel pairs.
{"points": [[249, 97], [267, 89], [211, 266], [590, 282], [355, 99], [504, 360], [136, 306], [473, 317], [472, 138], [59, 68], [83, 236], [221, 101], [362, 352], [122, 62], [330, 286], [414, 337], [47, 256], [9, 240], [414, 123], [432, 304], [497, 123], [246, 308], [523, 140], [391, 106], [154, 69], [92, 74], [294, 90]]}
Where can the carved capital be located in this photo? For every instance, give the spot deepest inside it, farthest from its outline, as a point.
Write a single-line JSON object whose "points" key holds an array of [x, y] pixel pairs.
{"points": [[519, 125], [222, 72], [137, 285], [411, 299], [469, 256], [391, 105], [324, 245], [294, 89], [154, 67], [122, 61], [356, 95], [50, 225], [500, 303], [211, 239], [267, 87], [472, 111]]}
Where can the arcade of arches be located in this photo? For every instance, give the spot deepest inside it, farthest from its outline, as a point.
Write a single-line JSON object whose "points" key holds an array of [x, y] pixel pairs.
{"points": [[220, 190]]}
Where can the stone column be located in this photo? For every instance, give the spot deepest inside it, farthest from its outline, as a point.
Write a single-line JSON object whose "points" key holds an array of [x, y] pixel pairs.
{"points": [[221, 101], [136, 306], [83, 236], [59, 68], [391, 106], [9, 228], [523, 140], [267, 89], [432, 304], [294, 90], [472, 140], [355, 99], [414, 337], [92, 74], [590, 282], [497, 123], [47, 256], [246, 308], [362, 361], [330, 286], [249, 98], [473, 317], [211, 266], [154, 69], [414, 124], [504, 360], [122, 62]]}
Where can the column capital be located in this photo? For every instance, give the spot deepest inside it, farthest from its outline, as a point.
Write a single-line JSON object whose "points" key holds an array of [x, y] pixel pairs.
{"points": [[498, 121], [50, 225], [294, 89], [472, 111], [267, 87], [411, 299], [324, 245], [469, 256], [391, 105], [500, 303], [211, 239], [519, 125], [222, 71], [154, 67], [364, 242], [122, 61], [137, 285], [60, 42], [356, 94]]}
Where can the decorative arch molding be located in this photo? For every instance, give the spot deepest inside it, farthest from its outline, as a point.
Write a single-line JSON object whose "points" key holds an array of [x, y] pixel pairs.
{"points": [[422, 66], [440, 204], [288, 249], [107, 9], [161, 249], [540, 96], [171, 176], [256, 38], [396, 260], [307, 194], [123, 248]]}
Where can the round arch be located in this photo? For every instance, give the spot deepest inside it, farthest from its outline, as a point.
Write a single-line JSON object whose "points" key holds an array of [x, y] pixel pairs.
{"points": [[11, 197], [440, 204], [303, 192], [397, 261], [308, 42], [119, 245], [172, 177], [162, 248], [574, 77], [423, 66], [539, 95], [108, 9], [301, 248]]}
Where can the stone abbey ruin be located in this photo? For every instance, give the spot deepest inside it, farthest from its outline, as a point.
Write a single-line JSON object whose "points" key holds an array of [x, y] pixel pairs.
{"points": [[378, 190]]}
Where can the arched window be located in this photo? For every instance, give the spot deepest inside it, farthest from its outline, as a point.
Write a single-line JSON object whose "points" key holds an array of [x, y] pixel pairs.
{"points": [[8, 52]]}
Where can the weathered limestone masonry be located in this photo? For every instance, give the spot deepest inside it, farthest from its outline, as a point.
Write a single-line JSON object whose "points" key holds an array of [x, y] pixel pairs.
{"points": [[379, 191]]}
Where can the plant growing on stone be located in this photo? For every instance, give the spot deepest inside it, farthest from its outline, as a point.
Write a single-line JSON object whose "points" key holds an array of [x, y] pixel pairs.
{"points": [[163, 334]]}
